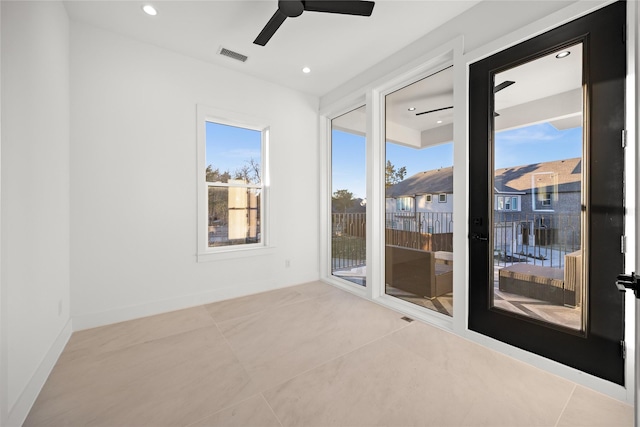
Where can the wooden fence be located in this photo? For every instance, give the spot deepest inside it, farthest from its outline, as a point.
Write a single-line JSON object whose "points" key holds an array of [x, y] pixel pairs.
{"points": [[424, 241]]}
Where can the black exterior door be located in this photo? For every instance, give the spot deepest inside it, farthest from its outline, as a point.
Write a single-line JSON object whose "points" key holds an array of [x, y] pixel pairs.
{"points": [[551, 292]]}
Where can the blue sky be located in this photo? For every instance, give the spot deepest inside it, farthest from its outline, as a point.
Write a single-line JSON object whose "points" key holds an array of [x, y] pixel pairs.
{"points": [[531, 144], [348, 161], [229, 148], [536, 143]]}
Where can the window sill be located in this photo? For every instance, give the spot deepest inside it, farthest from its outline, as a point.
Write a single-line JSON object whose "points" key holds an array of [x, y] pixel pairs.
{"points": [[235, 253]]}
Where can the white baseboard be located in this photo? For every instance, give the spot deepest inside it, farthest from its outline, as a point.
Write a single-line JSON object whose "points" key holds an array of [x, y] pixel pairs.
{"points": [[18, 412], [93, 320]]}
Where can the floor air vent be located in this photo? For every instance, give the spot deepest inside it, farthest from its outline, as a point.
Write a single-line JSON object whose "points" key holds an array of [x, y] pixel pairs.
{"points": [[407, 319], [234, 55]]}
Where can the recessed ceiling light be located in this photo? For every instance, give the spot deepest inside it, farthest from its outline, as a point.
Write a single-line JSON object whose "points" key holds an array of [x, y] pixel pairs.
{"points": [[149, 10], [306, 70], [563, 54], [412, 108], [439, 121]]}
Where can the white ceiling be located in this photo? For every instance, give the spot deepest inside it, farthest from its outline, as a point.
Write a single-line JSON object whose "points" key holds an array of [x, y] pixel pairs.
{"points": [[335, 47], [338, 48], [547, 89]]}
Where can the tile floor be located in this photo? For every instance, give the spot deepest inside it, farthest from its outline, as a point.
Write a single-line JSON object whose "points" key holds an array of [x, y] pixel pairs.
{"points": [[442, 304], [308, 355]]}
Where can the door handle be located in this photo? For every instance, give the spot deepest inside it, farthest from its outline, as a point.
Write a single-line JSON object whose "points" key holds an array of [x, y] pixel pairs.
{"points": [[625, 282], [476, 236]]}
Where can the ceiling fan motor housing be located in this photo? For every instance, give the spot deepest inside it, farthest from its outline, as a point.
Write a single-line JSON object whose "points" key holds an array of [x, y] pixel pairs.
{"points": [[291, 8]]}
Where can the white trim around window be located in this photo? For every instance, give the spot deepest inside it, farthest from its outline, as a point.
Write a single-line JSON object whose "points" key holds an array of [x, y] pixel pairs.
{"points": [[204, 251]]}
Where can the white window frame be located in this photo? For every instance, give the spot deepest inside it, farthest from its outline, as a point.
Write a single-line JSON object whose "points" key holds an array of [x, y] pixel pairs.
{"points": [[428, 198], [508, 201], [204, 252], [441, 196]]}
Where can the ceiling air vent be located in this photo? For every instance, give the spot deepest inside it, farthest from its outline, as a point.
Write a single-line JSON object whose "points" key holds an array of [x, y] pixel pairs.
{"points": [[234, 55]]}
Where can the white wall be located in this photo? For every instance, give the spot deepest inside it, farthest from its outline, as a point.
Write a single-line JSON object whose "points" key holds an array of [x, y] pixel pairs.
{"points": [[133, 175], [34, 198]]}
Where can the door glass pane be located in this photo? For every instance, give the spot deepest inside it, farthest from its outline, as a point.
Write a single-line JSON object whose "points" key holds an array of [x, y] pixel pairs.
{"points": [[538, 237], [419, 190], [348, 197]]}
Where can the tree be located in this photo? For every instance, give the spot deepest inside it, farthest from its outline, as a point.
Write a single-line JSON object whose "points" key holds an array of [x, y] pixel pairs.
{"points": [[393, 176], [214, 175], [342, 200], [218, 200], [249, 172]]}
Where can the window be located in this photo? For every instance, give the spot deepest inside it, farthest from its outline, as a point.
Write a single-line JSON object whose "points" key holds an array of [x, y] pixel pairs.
{"points": [[544, 190], [349, 197], [404, 204], [232, 190], [418, 174], [507, 203]]}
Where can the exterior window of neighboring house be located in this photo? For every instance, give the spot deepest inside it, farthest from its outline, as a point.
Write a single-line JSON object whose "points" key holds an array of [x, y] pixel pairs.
{"points": [[442, 198], [428, 198], [232, 189], [508, 203], [404, 203], [544, 190]]}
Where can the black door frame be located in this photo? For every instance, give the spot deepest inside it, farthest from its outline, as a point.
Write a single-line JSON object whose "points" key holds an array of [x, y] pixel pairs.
{"points": [[598, 351]]}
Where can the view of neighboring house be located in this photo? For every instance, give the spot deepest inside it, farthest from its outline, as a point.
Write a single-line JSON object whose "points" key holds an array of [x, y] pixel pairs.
{"points": [[540, 187], [428, 195], [538, 205], [534, 205]]}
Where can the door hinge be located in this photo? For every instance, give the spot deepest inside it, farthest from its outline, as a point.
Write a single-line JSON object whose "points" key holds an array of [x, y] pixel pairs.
{"points": [[623, 244], [624, 138], [623, 349]]}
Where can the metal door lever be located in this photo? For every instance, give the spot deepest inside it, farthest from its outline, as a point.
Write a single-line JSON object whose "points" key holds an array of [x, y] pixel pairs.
{"points": [[626, 281]]}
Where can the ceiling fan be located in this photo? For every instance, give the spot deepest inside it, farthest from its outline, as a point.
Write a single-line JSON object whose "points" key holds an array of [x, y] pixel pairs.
{"points": [[496, 89], [291, 9]]}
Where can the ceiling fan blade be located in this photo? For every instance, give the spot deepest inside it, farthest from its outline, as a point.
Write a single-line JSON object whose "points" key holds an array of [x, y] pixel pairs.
{"points": [[346, 7], [503, 85], [269, 30], [433, 111]]}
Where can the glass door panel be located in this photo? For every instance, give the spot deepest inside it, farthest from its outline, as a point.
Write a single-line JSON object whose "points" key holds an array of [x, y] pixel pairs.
{"points": [[538, 192], [348, 197], [419, 193]]}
